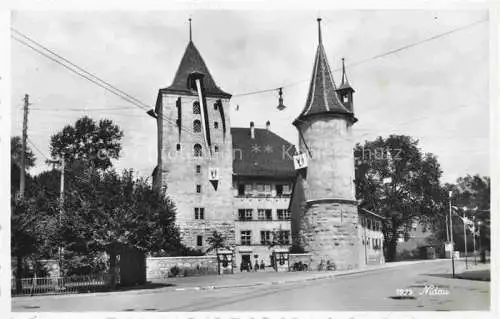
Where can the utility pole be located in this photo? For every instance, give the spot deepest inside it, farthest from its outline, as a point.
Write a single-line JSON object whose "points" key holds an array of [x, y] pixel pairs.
{"points": [[61, 197], [465, 238], [23, 149], [451, 236], [447, 230]]}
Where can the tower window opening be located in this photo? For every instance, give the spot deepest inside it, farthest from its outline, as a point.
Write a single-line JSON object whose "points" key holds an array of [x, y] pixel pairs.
{"points": [[197, 126], [199, 240], [196, 107], [216, 124], [198, 189], [216, 148], [197, 150], [178, 146], [215, 106], [199, 213], [198, 169], [345, 99]]}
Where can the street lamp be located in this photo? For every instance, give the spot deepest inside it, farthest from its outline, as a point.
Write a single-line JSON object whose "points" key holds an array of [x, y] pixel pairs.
{"points": [[450, 193]]}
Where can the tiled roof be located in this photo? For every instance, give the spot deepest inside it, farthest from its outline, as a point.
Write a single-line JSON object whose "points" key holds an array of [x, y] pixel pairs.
{"points": [[264, 155], [193, 62], [322, 97]]}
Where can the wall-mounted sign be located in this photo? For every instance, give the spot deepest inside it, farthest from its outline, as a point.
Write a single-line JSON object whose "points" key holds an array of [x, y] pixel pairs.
{"points": [[300, 161]]}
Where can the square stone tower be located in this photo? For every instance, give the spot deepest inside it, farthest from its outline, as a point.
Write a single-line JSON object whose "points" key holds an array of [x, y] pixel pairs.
{"points": [[195, 151]]}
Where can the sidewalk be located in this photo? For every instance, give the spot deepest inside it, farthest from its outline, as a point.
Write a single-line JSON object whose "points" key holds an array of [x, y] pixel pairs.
{"points": [[479, 272], [238, 280]]}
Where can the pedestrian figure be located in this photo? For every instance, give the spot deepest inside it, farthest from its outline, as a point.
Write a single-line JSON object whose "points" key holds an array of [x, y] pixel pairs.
{"points": [[256, 265], [262, 266]]}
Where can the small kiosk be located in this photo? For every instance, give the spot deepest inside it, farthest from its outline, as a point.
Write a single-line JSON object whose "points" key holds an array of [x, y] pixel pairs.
{"points": [[281, 261], [225, 262]]}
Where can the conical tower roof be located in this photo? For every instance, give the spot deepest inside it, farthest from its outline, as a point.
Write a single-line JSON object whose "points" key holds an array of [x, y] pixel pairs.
{"points": [[322, 97], [192, 62]]}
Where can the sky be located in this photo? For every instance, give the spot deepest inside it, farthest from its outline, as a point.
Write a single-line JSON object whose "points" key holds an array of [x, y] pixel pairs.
{"points": [[436, 90]]}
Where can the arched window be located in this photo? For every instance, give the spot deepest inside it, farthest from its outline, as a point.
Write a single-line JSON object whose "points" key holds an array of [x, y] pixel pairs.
{"points": [[216, 148], [196, 126], [197, 150], [196, 107]]}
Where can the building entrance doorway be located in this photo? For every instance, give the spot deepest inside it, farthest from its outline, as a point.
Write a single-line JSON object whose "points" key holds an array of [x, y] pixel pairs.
{"points": [[246, 263]]}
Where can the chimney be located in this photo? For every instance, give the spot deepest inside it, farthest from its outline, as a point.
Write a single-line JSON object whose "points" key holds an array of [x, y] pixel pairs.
{"points": [[268, 125], [252, 130]]}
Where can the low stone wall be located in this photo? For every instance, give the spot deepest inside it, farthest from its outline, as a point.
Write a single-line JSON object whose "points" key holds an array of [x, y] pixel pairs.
{"points": [[161, 267]]}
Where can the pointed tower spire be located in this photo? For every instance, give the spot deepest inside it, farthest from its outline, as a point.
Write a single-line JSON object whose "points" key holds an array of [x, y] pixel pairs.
{"points": [[190, 32], [345, 82], [193, 63], [322, 97], [319, 31]]}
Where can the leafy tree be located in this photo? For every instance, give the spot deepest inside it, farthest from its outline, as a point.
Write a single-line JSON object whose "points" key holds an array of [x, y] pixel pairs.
{"points": [[216, 241], [397, 180], [15, 166], [97, 143], [106, 211], [472, 192]]}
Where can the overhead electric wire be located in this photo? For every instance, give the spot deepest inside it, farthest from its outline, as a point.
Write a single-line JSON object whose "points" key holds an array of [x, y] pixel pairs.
{"points": [[77, 67], [378, 56], [110, 89], [37, 149]]}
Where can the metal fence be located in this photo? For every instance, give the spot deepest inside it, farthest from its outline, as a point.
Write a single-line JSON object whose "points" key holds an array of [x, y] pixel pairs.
{"points": [[58, 285]]}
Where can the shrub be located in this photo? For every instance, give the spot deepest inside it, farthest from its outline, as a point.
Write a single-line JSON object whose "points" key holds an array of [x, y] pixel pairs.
{"points": [[175, 271]]}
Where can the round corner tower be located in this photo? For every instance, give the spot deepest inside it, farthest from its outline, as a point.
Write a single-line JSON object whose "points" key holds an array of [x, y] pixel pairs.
{"points": [[325, 221]]}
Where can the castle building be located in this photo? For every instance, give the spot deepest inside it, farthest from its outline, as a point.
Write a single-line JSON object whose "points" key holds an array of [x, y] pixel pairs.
{"points": [[232, 180], [240, 181]]}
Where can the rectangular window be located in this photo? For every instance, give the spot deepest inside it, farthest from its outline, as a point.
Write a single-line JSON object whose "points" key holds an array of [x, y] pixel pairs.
{"points": [[245, 214], [216, 148], [368, 223], [285, 237], [283, 214], [216, 124], [286, 189], [246, 237], [267, 188], [265, 237], [269, 214], [241, 189], [198, 189], [279, 190], [199, 240], [261, 214], [199, 213], [198, 169], [248, 188]]}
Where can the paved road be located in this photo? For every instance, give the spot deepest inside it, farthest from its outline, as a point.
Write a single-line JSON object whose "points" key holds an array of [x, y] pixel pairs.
{"points": [[358, 292]]}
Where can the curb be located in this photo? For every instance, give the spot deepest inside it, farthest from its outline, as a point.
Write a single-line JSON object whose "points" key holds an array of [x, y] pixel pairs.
{"points": [[264, 283], [318, 277]]}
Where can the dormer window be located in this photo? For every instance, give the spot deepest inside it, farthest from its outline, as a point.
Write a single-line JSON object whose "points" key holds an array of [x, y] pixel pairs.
{"points": [[345, 99]]}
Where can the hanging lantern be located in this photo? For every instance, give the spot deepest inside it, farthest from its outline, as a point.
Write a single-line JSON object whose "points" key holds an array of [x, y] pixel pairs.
{"points": [[280, 106]]}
